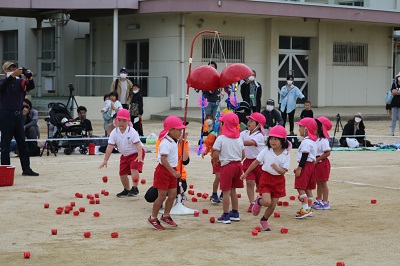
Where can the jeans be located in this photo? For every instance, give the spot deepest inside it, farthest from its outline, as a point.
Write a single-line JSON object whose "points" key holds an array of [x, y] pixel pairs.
{"points": [[395, 117], [212, 108]]}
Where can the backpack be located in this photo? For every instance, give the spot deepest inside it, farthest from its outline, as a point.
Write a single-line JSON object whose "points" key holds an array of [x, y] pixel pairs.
{"points": [[116, 84], [389, 97]]}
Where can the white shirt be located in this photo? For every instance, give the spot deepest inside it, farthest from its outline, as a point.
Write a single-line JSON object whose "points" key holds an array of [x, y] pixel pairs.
{"points": [[322, 146], [107, 106], [267, 157], [307, 146], [124, 85], [230, 150], [251, 152], [168, 147], [126, 142], [117, 104]]}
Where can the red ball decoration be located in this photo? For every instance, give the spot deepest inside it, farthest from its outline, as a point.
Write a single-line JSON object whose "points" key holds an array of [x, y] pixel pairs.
{"points": [[205, 78], [234, 73]]}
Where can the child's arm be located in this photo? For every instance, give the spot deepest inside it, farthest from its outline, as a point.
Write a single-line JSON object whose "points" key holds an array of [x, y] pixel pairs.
{"points": [[208, 143], [302, 163], [139, 152], [215, 157], [107, 156], [165, 163], [252, 166], [278, 169], [249, 142], [323, 156]]}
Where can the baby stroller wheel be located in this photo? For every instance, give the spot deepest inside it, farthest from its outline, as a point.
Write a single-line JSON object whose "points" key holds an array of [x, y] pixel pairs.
{"points": [[67, 151], [83, 150]]}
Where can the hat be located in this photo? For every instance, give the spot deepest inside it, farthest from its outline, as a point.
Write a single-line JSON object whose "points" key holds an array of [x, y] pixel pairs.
{"points": [[169, 123], [326, 125], [230, 126], [398, 75], [270, 102], [123, 70], [278, 132], [8, 64], [259, 118], [123, 114], [311, 126]]}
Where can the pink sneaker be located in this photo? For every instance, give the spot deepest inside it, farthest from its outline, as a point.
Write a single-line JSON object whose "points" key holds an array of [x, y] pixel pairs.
{"points": [[155, 223], [256, 207], [264, 225]]}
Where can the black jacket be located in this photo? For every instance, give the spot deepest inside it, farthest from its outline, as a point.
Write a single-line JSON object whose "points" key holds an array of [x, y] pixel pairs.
{"points": [[245, 92], [272, 118], [348, 132]]}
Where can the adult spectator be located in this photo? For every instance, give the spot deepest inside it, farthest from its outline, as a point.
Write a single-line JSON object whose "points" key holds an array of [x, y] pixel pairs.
{"points": [[122, 86], [273, 117], [213, 97], [395, 104], [86, 123], [136, 108], [251, 92], [12, 91], [288, 97], [353, 134], [31, 128]]}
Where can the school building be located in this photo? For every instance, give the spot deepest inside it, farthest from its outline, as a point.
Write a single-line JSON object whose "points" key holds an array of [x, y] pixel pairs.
{"points": [[341, 52]]}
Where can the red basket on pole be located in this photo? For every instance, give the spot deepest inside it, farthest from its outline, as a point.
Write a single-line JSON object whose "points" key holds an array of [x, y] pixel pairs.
{"points": [[7, 175]]}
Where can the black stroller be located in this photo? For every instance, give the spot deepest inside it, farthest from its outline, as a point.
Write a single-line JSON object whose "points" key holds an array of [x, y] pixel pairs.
{"points": [[242, 112], [64, 126]]}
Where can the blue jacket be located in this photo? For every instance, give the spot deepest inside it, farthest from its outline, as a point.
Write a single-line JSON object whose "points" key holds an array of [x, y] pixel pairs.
{"points": [[288, 98]]}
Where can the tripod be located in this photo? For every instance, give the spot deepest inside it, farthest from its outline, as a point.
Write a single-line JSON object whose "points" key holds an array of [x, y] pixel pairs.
{"points": [[48, 144], [338, 123], [71, 100]]}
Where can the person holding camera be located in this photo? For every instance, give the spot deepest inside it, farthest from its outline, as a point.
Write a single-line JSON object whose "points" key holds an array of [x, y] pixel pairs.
{"points": [[12, 92]]}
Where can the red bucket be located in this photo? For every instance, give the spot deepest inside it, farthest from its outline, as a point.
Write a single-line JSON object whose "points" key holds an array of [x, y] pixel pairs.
{"points": [[92, 149], [7, 175]]}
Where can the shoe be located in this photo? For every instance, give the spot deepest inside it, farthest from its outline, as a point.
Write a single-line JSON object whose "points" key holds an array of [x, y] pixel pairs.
{"points": [[168, 220], [256, 207], [29, 173], [264, 225], [391, 134], [124, 193], [215, 199], [303, 213], [221, 197], [13, 154], [316, 205], [155, 223], [234, 216], [250, 208], [133, 192], [327, 206], [224, 219]]}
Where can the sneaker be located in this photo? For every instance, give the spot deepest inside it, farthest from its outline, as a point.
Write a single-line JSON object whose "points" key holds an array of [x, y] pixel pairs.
{"points": [[224, 219], [13, 154], [316, 205], [215, 199], [234, 216], [391, 134], [250, 208], [264, 225], [133, 192], [303, 213], [221, 197], [168, 220], [256, 207], [327, 206], [155, 223], [124, 193], [29, 173]]}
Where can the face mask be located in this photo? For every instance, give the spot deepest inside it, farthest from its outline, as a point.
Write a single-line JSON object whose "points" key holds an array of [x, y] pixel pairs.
{"points": [[270, 108], [357, 119], [209, 122], [123, 75], [135, 91], [290, 82], [251, 78], [8, 74]]}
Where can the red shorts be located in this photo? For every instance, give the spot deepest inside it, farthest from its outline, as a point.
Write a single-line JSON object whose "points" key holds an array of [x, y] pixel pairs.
{"points": [[163, 179], [230, 176], [273, 184], [127, 163], [306, 180], [216, 168], [255, 174], [323, 170]]}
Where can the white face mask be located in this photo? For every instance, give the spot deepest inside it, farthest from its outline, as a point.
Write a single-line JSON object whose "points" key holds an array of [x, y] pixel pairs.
{"points": [[209, 122], [290, 82], [251, 78], [357, 119], [270, 108], [9, 74], [123, 75], [135, 91]]}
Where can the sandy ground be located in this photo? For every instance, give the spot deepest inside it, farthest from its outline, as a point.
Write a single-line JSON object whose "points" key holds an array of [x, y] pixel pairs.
{"points": [[354, 230]]}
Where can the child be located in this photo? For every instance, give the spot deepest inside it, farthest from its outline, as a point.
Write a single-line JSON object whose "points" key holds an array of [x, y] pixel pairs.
{"points": [[253, 140], [106, 112], [275, 162], [322, 164], [229, 150], [166, 173], [112, 106], [131, 148], [307, 112], [304, 173]]}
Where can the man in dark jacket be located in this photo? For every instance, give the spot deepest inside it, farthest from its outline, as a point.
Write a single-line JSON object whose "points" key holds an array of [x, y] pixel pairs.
{"points": [[273, 117], [251, 92]]}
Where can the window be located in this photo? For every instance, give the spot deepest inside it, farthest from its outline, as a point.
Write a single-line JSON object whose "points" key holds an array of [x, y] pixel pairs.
{"points": [[48, 50], [350, 54], [352, 3], [230, 49], [10, 46]]}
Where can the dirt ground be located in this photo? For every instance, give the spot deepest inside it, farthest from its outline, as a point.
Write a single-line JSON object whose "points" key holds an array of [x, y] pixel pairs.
{"points": [[353, 231]]}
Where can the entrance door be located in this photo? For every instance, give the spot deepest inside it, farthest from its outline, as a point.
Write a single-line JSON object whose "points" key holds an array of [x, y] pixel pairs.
{"points": [[294, 53], [137, 62]]}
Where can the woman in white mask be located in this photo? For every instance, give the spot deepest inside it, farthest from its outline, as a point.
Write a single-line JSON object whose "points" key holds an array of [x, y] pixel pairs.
{"points": [[251, 92], [353, 131], [288, 97], [272, 116]]}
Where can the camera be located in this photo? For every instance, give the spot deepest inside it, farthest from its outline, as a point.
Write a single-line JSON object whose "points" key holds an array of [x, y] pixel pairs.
{"points": [[71, 88], [338, 116], [26, 72]]}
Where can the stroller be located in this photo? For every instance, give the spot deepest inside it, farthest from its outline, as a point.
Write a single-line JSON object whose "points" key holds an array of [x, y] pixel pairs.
{"points": [[242, 112], [64, 126]]}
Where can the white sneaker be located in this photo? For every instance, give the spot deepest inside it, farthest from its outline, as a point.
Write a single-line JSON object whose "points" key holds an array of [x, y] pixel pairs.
{"points": [[13, 154]]}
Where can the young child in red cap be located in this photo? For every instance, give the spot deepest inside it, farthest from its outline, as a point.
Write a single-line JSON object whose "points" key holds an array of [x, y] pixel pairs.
{"points": [[253, 140], [275, 160], [229, 150], [304, 180], [166, 174], [322, 163], [126, 138]]}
